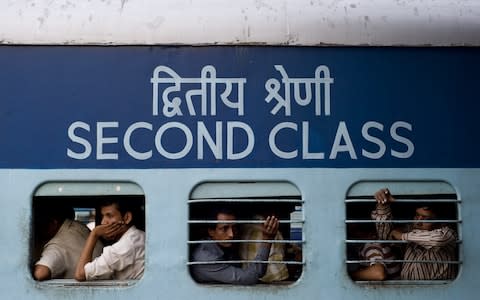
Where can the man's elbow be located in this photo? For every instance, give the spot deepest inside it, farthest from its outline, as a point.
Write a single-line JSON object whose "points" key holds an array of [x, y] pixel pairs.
{"points": [[80, 276], [41, 273], [379, 273]]}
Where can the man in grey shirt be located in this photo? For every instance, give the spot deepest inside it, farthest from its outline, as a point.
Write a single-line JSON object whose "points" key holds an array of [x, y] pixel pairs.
{"points": [[222, 250]]}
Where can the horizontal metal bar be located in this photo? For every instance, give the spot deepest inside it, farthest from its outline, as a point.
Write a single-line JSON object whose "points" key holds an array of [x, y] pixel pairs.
{"points": [[91, 283], [245, 200], [382, 241], [406, 200], [405, 261], [241, 221], [403, 282], [246, 241], [286, 262], [350, 221], [376, 241]]}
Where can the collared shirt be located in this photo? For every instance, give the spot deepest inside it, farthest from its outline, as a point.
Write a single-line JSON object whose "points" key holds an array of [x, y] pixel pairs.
{"points": [[125, 259], [225, 272], [60, 254], [424, 245]]}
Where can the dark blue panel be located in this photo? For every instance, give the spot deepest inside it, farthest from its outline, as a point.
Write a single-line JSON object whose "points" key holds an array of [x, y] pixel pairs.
{"points": [[389, 107]]}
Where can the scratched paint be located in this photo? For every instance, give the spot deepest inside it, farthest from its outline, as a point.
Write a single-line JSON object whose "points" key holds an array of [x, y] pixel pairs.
{"points": [[252, 22]]}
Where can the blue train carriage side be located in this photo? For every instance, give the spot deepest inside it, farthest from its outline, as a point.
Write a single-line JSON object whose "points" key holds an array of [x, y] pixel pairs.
{"points": [[296, 108]]}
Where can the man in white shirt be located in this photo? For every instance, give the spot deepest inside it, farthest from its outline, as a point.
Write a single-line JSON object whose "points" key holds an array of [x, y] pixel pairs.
{"points": [[125, 259]]}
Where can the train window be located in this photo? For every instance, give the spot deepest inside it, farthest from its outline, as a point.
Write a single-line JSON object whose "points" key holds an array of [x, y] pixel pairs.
{"points": [[403, 232], [63, 215], [226, 242]]}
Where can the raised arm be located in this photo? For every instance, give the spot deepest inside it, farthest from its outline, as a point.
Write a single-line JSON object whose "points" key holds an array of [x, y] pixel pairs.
{"points": [[383, 212], [87, 252]]}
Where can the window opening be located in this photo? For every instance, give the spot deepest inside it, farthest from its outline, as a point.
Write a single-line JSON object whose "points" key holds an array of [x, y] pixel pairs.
{"points": [[249, 203], [414, 239], [64, 213]]}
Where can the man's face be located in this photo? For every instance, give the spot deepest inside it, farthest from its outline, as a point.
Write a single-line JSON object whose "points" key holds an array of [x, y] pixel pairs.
{"points": [[223, 231], [423, 213], [110, 214]]}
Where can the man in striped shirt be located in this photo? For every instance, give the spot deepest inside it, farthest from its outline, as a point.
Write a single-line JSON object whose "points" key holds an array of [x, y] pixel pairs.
{"points": [[427, 242]]}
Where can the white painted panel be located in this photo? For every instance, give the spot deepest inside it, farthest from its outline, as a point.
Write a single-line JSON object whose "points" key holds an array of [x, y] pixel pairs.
{"points": [[211, 22]]}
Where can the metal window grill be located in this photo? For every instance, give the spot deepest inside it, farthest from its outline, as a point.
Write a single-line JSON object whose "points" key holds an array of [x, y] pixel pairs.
{"points": [[358, 210], [246, 204]]}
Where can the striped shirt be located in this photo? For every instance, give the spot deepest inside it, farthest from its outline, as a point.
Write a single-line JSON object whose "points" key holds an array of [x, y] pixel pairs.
{"points": [[376, 253], [424, 245]]}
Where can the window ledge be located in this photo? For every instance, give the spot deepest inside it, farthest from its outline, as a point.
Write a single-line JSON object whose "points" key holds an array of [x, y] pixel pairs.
{"points": [[405, 282], [95, 283]]}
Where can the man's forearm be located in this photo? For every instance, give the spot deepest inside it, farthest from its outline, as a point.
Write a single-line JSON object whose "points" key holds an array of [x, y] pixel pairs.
{"points": [[86, 256]]}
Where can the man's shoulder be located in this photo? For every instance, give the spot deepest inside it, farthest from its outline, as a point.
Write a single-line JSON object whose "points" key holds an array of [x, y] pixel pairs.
{"points": [[132, 238], [70, 232], [69, 226], [135, 234], [207, 252]]}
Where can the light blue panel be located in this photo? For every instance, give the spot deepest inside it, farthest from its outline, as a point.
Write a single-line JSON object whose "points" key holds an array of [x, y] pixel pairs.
{"points": [[166, 275], [74, 188], [243, 189]]}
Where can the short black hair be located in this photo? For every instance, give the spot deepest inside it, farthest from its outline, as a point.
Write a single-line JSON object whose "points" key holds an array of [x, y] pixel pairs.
{"points": [[213, 214], [123, 205], [47, 211]]}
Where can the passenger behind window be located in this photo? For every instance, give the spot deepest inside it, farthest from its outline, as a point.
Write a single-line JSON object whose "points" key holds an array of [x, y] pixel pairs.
{"points": [[125, 259], [375, 253], [65, 240], [248, 251], [223, 250], [426, 241]]}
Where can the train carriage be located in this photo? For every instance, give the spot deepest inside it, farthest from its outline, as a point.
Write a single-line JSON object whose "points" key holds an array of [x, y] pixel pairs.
{"points": [[303, 109]]}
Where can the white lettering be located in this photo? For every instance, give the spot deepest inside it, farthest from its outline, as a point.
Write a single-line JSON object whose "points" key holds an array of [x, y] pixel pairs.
{"points": [[401, 139], [342, 133], [305, 146], [273, 144], [204, 135], [366, 135], [230, 141], [207, 92], [188, 140], [127, 138], [107, 140], [71, 134], [322, 78]]}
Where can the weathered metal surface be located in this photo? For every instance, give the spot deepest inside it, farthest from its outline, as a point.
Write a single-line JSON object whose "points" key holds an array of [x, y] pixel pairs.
{"points": [[211, 22]]}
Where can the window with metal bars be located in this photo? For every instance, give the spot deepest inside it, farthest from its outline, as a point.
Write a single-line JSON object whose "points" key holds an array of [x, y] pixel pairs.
{"points": [[235, 260], [412, 236]]}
